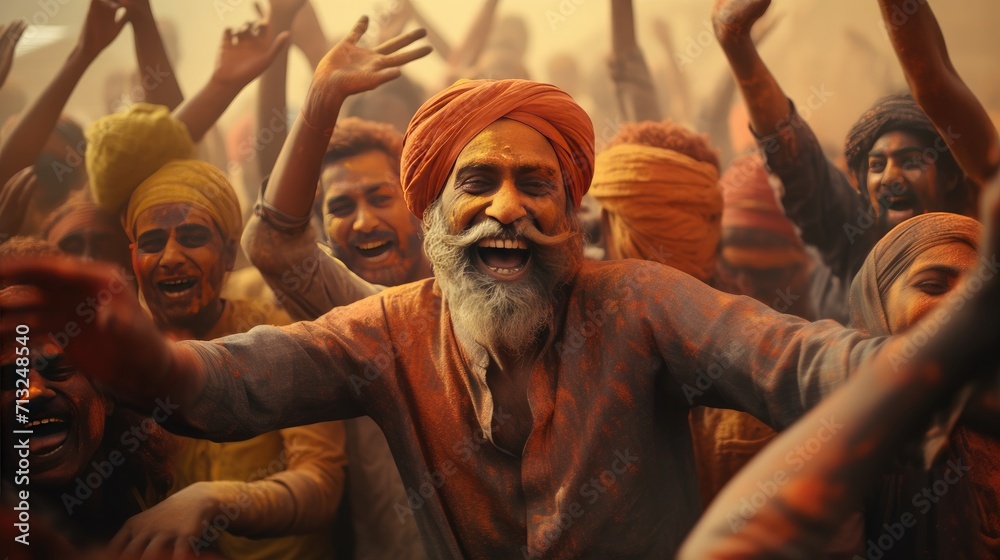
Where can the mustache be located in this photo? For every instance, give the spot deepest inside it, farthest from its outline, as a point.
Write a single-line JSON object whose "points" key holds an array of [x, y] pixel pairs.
{"points": [[521, 228], [359, 238]]}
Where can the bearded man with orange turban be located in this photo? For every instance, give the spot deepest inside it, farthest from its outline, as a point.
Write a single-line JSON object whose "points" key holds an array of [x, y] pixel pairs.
{"points": [[536, 404]]}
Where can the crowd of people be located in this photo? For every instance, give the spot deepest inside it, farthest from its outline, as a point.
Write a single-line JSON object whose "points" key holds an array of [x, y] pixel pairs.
{"points": [[452, 324]]}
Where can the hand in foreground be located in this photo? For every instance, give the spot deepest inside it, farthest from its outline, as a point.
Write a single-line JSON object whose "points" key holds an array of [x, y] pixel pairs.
{"points": [[349, 69], [178, 527], [92, 308]]}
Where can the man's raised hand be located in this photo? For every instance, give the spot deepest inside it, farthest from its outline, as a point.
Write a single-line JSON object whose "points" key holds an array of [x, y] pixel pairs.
{"points": [[733, 18], [102, 26], [349, 69], [247, 52]]}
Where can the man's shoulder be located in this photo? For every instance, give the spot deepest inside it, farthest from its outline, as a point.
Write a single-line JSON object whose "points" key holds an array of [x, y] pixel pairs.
{"points": [[636, 274]]}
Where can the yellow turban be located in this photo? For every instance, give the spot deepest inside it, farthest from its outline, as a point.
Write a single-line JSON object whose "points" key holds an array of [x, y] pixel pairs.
{"points": [[127, 147], [661, 205], [188, 182]]}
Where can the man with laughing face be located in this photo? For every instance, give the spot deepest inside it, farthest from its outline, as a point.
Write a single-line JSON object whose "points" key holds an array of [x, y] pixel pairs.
{"points": [[364, 213], [536, 404]]}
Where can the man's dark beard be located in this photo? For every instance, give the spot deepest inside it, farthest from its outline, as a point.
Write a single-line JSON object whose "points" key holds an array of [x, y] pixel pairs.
{"points": [[508, 314]]}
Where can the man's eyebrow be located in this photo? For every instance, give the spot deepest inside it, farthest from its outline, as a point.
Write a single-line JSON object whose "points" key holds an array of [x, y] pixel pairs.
{"points": [[366, 190], [526, 168], [942, 268], [152, 232], [896, 153]]}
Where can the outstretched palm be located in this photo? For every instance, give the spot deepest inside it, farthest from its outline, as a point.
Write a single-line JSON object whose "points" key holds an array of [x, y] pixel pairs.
{"points": [[349, 69], [245, 53]]}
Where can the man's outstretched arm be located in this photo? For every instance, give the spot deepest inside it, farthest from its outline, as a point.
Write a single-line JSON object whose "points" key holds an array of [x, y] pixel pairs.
{"points": [[230, 389], [940, 91]]}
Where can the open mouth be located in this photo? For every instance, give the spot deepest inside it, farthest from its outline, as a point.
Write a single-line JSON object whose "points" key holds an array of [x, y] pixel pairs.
{"points": [[177, 287], [504, 259], [373, 249], [899, 207], [48, 435]]}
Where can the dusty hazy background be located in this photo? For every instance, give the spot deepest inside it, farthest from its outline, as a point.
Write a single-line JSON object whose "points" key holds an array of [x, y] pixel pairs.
{"points": [[811, 47]]}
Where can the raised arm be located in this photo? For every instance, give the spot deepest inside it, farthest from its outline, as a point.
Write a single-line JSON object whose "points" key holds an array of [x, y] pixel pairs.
{"points": [[347, 69], [467, 53], [10, 34], [634, 87], [940, 91], [308, 36], [818, 197], [441, 46], [152, 57], [243, 55], [271, 104], [36, 124], [766, 103]]}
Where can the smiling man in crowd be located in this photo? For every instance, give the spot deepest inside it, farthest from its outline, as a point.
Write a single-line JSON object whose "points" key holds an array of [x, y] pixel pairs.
{"points": [[536, 400], [364, 213]]}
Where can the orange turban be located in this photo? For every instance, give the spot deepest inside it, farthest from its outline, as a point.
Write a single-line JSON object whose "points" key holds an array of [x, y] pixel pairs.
{"points": [[449, 120], [661, 205], [755, 231]]}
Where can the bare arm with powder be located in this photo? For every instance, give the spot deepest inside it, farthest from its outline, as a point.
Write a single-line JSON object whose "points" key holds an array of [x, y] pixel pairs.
{"points": [[940, 91], [243, 55], [818, 197], [28, 138]]}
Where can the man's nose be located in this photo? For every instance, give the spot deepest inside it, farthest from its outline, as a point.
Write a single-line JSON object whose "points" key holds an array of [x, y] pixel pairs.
{"points": [[507, 205]]}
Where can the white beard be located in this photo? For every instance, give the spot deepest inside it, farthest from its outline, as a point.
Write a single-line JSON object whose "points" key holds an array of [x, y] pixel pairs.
{"points": [[507, 314]]}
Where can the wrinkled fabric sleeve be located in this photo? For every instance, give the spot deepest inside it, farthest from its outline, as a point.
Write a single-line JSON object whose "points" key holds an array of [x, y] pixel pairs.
{"points": [[818, 197], [276, 377], [733, 352], [306, 279], [305, 496]]}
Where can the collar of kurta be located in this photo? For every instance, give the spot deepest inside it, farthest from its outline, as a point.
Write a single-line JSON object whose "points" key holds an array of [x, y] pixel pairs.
{"points": [[477, 357]]}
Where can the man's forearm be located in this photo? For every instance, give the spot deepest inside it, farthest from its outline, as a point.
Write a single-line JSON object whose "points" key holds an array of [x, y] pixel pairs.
{"points": [[940, 91], [200, 112], [158, 78], [33, 130], [767, 104], [292, 186]]}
